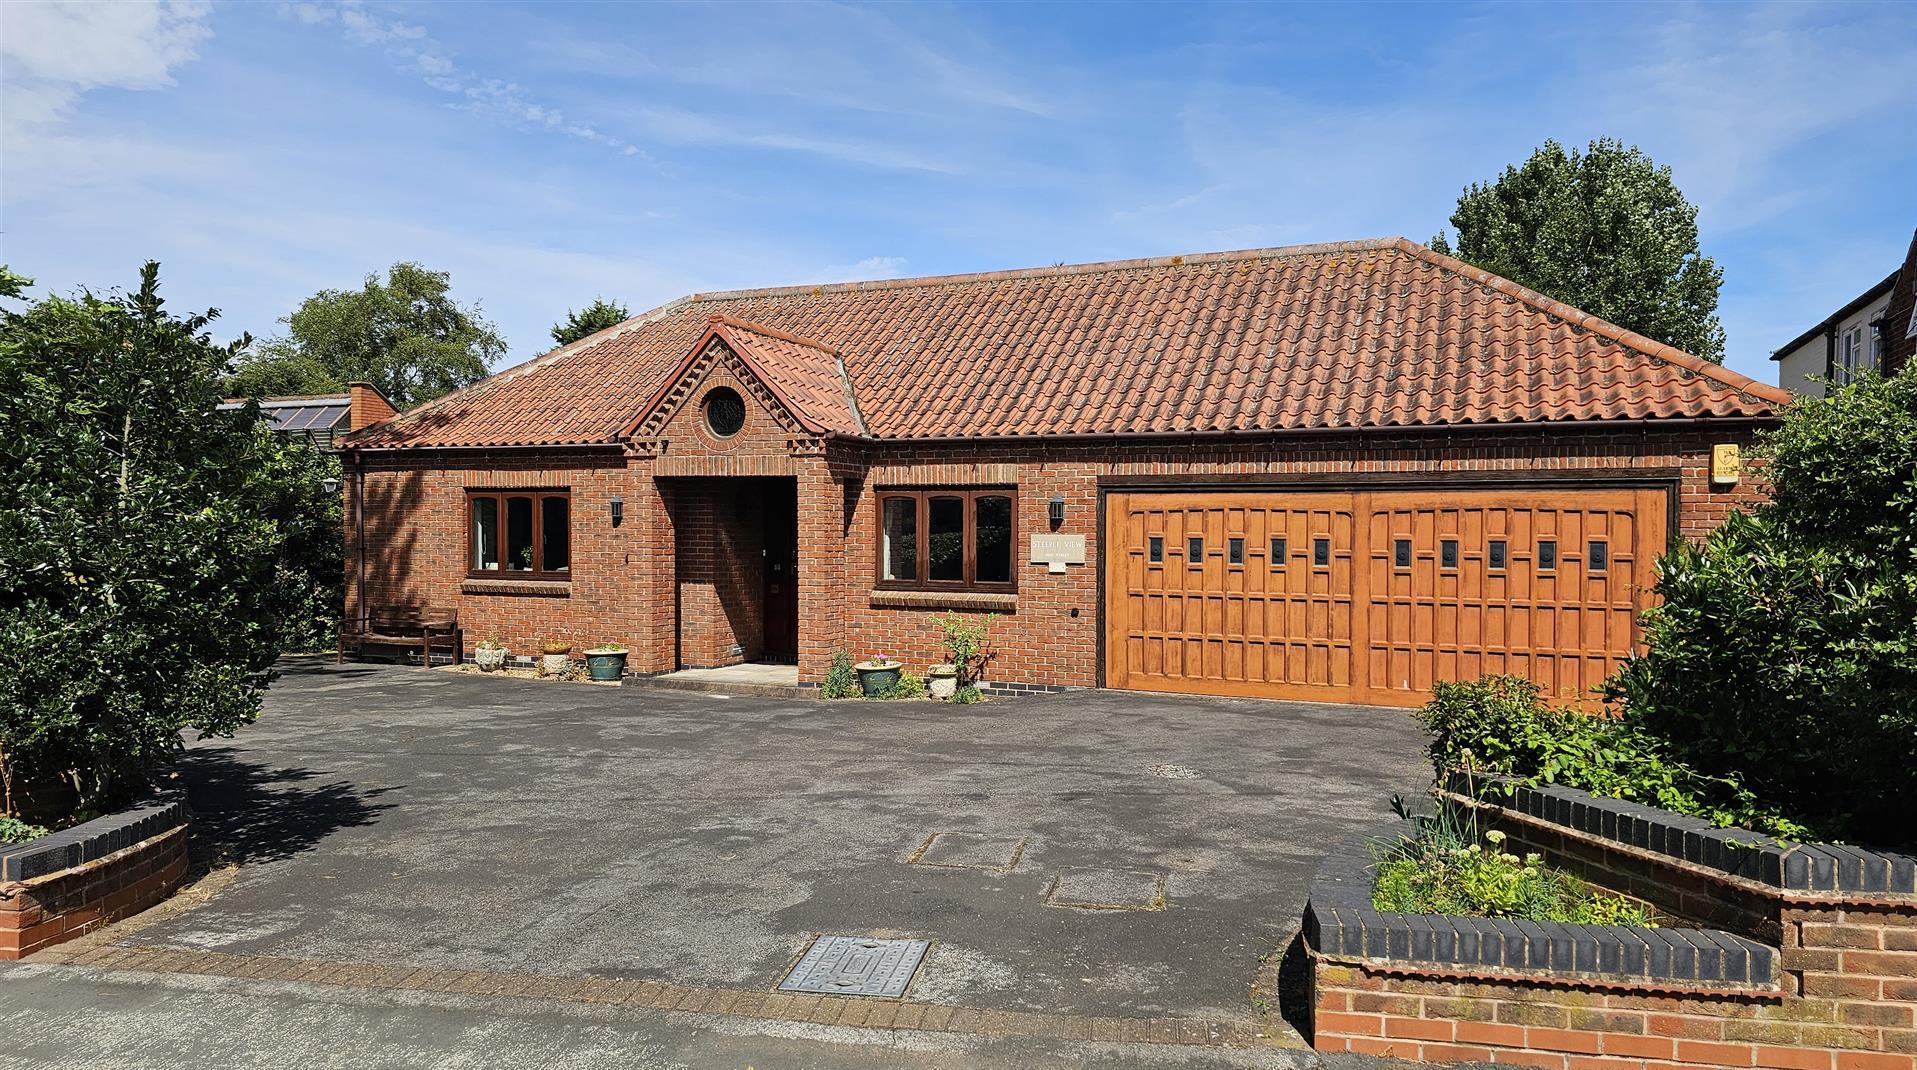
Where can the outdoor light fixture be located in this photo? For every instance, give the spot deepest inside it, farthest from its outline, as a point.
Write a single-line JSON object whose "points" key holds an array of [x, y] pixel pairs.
{"points": [[330, 484], [618, 510], [1058, 509]]}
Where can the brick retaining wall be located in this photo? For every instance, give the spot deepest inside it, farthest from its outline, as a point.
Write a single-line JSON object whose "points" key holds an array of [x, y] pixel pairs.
{"points": [[1842, 994], [62, 886]]}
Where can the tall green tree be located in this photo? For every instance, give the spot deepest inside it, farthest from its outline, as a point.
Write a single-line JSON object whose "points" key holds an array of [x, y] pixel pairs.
{"points": [[404, 334], [141, 544], [1604, 230], [592, 319]]}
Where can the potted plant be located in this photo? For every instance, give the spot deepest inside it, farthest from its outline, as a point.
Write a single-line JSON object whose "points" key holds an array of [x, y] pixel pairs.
{"points": [[964, 643], [555, 657], [878, 676], [490, 655], [941, 682], [606, 661]]}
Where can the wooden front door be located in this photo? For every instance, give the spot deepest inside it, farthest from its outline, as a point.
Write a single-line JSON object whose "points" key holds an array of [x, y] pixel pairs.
{"points": [[781, 578], [1371, 596]]}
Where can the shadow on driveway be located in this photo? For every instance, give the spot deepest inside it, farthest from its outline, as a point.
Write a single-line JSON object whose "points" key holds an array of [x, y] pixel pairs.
{"points": [[252, 812]]}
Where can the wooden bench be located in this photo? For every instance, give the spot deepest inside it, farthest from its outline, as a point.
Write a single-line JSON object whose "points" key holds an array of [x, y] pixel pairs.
{"points": [[420, 626]]}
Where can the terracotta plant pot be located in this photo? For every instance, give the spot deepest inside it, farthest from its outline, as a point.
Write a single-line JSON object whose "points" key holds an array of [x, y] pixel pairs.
{"points": [[941, 682], [490, 658], [555, 646], [876, 677], [606, 665]]}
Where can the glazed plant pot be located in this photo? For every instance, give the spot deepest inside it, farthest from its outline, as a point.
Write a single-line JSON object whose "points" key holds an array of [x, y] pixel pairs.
{"points": [[555, 664], [941, 682], [555, 646], [606, 665], [878, 677], [490, 658]]}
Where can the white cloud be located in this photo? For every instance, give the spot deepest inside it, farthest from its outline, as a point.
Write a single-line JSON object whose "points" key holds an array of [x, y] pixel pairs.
{"points": [[872, 267], [415, 51], [53, 52]]}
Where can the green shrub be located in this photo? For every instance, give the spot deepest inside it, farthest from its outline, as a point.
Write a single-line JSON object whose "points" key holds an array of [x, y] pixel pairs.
{"points": [[143, 532], [841, 681], [1441, 872], [14, 830], [911, 685], [964, 642], [1783, 652], [967, 695], [1501, 724]]}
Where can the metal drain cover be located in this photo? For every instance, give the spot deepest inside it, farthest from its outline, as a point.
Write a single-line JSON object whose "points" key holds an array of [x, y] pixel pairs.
{"points": [[856, 966]]}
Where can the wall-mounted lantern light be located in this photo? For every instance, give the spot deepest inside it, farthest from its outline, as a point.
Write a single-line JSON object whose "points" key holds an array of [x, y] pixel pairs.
{"points": [[618, 510], [331, 484], [1057, 510]]}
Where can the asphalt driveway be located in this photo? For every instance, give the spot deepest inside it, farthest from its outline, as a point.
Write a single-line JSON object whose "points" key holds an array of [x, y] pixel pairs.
{"points": [[1086, 854]]}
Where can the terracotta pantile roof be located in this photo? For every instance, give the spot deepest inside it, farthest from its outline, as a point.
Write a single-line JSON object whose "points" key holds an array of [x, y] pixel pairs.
{"points": [[1372, 334]]}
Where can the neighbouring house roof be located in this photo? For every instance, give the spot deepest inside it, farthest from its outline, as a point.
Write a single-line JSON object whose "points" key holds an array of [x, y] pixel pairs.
{"points": [[1850, 308], [1371, 334], [300, 412]]}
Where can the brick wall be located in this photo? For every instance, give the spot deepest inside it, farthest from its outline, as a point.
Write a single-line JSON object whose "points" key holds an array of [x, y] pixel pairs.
{"points": [[1850, 985], [48, 910], [1843, 995], [416, 544], [625, 583]]}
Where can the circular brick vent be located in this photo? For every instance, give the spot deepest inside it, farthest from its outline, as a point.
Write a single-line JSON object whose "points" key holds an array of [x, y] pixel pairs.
{"points": [[725, 411]]}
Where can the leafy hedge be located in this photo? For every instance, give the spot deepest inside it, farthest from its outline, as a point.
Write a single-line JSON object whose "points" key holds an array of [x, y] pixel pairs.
{"points": [[142, 541], [1783, 653], [1501, 724]]}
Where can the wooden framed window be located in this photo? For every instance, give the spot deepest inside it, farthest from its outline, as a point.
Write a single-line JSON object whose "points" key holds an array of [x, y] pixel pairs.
{"points": [[947, 539], [1277, 551], [519, 533]]}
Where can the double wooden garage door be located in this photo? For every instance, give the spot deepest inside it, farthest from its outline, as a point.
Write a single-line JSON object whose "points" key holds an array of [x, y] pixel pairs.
{"points": [[1374, 595]]}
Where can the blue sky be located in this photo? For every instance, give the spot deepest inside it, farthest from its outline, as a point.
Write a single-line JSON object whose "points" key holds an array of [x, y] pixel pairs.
{"points": [[547, 153]]}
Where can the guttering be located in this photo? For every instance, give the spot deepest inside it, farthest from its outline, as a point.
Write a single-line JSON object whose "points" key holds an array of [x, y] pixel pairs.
{"points": [[1642, 423], [1647, 423]]}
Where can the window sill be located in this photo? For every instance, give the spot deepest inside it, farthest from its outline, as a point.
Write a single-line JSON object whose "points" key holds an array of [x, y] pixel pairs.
{"points": [[943, 600], [534, 588]]}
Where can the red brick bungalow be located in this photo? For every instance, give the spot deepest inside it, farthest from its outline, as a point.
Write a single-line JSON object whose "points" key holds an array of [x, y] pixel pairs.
{"points": [[1330, 472]]}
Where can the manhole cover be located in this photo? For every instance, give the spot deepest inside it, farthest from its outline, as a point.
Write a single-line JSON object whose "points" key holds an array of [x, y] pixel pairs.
{"points": [[1174, 772], [856, 966]]}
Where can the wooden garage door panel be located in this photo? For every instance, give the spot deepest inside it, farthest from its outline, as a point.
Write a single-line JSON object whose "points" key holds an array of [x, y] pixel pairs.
{"points": [[1561, 622], [1233, 620], [1369, 624]]}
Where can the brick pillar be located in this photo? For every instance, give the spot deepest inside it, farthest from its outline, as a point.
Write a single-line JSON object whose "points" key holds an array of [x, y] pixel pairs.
{"points": [[824, 584], [654, 574]]}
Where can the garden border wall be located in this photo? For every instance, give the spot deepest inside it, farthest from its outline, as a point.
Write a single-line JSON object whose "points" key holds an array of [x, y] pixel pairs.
{"points": [[65, 884], [1826, 937]]}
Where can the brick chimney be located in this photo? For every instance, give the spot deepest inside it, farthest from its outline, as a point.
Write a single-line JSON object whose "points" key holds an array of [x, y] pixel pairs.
{"points": [[369, 406]]}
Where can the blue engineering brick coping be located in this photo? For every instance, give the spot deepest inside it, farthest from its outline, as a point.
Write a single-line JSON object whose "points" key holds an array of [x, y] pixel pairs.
{"points": [[162, 809], [1752, 856], [1340, 922]]}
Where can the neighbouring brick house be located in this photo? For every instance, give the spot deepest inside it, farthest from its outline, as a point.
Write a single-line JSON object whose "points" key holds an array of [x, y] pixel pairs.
{"points": [[1333, 471]]}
